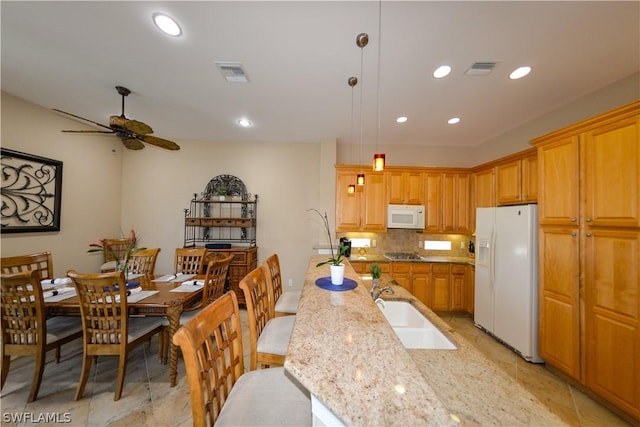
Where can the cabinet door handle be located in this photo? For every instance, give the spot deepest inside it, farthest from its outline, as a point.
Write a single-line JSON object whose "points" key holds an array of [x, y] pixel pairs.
{"points": [[588, 219], [574, 234], [589, 234], [573, 220]]}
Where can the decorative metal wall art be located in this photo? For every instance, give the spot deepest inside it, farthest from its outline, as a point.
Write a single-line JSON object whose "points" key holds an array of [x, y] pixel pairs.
{"points": [[31, 193]]}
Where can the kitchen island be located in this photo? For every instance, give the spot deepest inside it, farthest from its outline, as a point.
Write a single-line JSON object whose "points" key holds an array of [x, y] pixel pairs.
{"points": [[349, 358]]}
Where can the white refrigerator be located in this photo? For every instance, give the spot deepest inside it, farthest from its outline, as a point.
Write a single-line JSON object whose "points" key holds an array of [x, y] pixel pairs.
{"points": [[506, 282]]}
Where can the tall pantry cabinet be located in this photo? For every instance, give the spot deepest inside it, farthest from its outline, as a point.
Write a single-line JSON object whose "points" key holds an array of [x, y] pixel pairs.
{"points": [[589, 254]]}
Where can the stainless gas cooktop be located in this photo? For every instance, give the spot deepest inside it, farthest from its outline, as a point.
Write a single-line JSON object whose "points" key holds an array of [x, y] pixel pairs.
{"points": [[394, 256]]}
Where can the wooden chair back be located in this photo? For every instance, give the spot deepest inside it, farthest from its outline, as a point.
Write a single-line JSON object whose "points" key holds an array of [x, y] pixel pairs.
{"points": [[144, 261], [117, 247], [42, 262], [107, 329], [189, 260], [272, 270], [211, 345], [24, 325], [23, 319], [103, 307], [254, 287], [214, 282]]}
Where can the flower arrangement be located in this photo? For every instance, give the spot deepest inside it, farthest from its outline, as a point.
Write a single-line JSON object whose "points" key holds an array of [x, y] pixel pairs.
{"points": [[120, 256], [334, 260]]}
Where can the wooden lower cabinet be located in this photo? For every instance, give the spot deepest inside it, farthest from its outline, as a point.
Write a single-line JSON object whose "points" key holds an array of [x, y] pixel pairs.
{"points": [[612, 316], [441, 287], [457, 287], [470, 286], [401, 273], [559, 298], [244, 260], [421, 282]]}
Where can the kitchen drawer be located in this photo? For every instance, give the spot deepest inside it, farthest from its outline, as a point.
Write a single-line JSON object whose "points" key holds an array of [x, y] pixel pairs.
{"points": [[458, 268], [400, 267], [440, 267], [420, 267]]}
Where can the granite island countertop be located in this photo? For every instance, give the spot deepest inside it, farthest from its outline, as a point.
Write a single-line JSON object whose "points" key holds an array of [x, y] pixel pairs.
{"points": [[345, 353]]}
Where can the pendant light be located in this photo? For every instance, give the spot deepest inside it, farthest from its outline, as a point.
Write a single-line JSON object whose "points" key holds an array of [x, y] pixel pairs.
{"points": [[362, 40], [379, 158], [352, 81]]}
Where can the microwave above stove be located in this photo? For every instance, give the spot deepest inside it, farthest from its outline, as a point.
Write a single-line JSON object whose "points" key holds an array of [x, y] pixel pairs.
{"points": [[405, 216]]}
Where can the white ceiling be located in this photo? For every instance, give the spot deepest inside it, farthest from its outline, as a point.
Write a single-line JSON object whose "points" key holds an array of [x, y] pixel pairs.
{"points": [[299, 55]]}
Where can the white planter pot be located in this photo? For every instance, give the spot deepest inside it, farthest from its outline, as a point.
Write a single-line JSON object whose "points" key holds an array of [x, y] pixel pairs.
{"points": [[337, 274]]}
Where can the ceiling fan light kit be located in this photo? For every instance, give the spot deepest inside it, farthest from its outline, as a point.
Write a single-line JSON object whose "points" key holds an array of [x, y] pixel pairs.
{"points": [[132, 132]]}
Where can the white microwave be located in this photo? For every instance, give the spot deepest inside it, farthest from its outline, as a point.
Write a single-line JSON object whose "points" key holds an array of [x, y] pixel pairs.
{"points": [[405, 216]]}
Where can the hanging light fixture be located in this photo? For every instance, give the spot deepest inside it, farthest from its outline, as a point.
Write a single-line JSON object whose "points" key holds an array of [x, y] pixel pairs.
{"points": [[362, 40], [379, 158], [352, 81]]}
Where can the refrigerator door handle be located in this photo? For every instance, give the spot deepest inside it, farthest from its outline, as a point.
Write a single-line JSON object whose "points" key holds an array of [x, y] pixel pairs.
{"points": [[492, 263]]}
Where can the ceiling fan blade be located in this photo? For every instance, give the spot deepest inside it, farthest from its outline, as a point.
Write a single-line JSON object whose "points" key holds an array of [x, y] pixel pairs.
{"points": [[132, 143], [88, 131], [82, 118], [134, 126], [159, 142]]}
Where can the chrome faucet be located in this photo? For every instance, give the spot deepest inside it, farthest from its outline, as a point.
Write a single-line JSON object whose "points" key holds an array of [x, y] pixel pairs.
{"points": [[381, 291]]}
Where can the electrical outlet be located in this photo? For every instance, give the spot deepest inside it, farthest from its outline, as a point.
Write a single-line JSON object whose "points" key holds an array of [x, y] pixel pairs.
{"points": [[461, 245], [290, 283], [420, 244], [374, 243]]}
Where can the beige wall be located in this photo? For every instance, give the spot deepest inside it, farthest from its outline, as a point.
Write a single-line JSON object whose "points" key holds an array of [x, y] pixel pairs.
{"points": [[106, 187], [91, 184], [107, 190], [517, 139]]}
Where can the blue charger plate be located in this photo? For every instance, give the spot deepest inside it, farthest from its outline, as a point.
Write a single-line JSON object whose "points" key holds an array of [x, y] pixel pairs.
{"points": [[325, 283]]}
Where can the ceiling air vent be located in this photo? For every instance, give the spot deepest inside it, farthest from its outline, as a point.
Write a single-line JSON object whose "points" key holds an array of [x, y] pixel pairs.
{"points": [[232, 72], [480, 68]]}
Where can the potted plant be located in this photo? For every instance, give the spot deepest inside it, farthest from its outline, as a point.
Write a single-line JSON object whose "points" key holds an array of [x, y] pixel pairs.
{"points": [[221, 192], [336, 265], [375, 274]]}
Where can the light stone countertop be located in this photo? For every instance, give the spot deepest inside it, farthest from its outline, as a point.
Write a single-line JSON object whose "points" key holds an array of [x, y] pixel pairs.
{"points": [[345, 353]]}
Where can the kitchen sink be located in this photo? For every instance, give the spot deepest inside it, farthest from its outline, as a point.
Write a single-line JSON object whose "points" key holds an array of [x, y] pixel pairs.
{"points": [[413, 328]]}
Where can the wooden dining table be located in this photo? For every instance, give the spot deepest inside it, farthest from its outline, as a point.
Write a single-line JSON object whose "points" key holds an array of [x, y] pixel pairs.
{"points": [[163, 303]]}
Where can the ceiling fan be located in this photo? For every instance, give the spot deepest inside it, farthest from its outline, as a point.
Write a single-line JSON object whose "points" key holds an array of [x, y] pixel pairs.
{"points": [[132, 132]]}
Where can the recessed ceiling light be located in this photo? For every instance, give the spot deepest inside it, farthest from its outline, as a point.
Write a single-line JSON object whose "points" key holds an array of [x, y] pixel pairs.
{"points": [[401, 119], [167, 24], [245, 123], [442, 71], [454, 120], [520, 72]]}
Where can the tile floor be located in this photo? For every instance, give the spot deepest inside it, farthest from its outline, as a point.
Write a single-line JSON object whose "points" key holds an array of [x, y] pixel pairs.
{"points": [[147, 399]]}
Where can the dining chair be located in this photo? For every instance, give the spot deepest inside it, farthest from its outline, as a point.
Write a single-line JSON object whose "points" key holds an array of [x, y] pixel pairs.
{"points": [[222, 393], [42, 262], [189, 260], [144, 262], [281, 303], [115, 248], [269, 336], [107, 328], [212, 289], [26, 331]]}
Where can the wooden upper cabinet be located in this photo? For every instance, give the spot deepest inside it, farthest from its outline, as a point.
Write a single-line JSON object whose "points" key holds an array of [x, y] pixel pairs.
{"points": [[559, 182], [612, 174], [347, 205], [485, 188], [405, 187], [364, 210], [517, 181], [455, 202], [433, 201]]}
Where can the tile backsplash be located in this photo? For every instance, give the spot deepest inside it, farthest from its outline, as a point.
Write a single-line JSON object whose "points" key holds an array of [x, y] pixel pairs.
{"points": [[398, 240]]}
